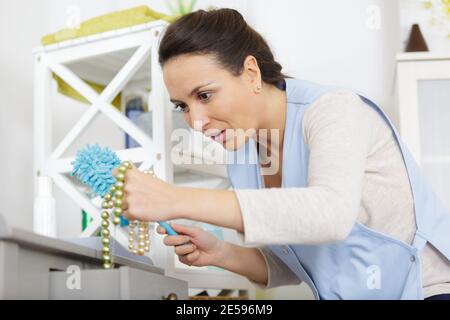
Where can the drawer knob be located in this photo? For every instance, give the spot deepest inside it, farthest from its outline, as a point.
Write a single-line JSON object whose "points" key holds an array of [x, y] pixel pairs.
{"points": [[171, 296]]}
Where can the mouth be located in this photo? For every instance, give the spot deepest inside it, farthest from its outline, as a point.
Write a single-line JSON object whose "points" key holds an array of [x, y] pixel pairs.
{"points": [[220, 137]]}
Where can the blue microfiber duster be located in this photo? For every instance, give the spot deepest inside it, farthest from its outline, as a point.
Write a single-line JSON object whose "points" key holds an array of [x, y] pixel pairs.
{"points": [[93, 166]]}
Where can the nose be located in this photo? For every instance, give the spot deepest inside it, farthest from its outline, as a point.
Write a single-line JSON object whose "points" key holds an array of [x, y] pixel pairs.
{"points": [[199, 118]]}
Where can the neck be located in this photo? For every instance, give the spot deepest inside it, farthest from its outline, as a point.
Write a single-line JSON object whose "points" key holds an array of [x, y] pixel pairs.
{"points": [[270, 133], [272, 123]]}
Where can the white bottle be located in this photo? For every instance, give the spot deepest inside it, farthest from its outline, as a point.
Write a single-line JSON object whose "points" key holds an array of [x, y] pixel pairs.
{"points": [[45, 208]]}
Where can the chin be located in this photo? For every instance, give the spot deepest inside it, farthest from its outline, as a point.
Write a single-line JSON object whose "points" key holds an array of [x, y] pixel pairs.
{"points": [[234, 144]]}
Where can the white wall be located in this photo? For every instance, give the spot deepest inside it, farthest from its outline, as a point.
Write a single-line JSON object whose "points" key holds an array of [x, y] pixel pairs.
{"points": [[21, 24], [332, 42]]}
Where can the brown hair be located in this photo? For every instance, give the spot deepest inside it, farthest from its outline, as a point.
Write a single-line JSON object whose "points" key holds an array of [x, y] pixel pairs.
{"points": [[225, 34]]}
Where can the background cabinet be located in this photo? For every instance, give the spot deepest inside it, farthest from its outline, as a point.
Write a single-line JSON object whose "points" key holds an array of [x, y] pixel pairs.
{"points": [[424, 115]]}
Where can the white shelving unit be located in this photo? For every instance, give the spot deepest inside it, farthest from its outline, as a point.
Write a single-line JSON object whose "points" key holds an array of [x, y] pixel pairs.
{"points": [[424, 114], [124, 61]]}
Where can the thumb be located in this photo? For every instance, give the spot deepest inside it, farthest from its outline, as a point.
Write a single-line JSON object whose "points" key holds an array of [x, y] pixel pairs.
{"points": [[186, 230], [115, 171]]}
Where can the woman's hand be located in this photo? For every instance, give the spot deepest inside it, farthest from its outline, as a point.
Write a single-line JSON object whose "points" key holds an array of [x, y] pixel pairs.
{"points": [[194, 246], [199, 248], [147, 198]]}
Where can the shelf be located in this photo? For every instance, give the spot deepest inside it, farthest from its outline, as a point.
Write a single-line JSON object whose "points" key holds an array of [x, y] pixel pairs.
{"points": [[422, 56], [99, 37], [103, 68]]}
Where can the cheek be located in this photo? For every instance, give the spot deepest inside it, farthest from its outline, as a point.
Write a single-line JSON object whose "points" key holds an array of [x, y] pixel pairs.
{"points": [[238, 106], [227, 108], [235, 143], [187, 118]]}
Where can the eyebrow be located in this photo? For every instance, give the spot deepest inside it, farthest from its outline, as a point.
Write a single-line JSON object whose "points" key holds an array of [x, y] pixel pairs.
{"points": [[194, 91]]}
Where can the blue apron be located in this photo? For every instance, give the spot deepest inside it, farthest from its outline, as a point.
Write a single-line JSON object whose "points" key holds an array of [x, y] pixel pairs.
{"points": [[367, 264]]}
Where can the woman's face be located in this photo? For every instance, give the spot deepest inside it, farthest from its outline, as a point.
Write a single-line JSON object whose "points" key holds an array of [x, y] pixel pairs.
{"points": [[214, 101]]}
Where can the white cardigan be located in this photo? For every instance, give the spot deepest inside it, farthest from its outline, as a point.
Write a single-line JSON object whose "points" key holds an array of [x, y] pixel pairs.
{"points": [[380, 198]]}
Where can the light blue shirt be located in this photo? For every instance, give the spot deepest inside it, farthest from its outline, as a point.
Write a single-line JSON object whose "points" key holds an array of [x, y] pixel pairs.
{"points": [[367, 264]]}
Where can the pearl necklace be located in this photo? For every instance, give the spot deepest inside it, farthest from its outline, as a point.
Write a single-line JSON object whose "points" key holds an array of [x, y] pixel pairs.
{"points": [[113, 200]]}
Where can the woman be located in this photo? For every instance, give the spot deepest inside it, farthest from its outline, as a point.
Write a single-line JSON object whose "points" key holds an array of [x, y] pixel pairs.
{"points": [[333, 199]]}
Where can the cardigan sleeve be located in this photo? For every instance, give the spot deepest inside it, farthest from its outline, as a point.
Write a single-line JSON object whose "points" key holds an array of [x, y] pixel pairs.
{"points": [[337, 131], [279, 274]]}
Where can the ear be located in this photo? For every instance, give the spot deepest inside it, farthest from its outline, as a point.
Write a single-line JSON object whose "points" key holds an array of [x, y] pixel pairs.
{"points": [[252, 73]]}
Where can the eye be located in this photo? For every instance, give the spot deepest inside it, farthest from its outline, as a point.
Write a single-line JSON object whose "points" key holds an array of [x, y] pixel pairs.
{"points": [[181, 107], [204, 96]]}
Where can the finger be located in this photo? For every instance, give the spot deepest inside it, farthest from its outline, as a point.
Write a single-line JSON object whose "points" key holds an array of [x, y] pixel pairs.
{"points": [[132, 165], [124, 200], [115, 171], [185, 249], [126, 215], [161, 230], [183, 260], [176, 240], [186, 230], [191, 257], [124, 203]]}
